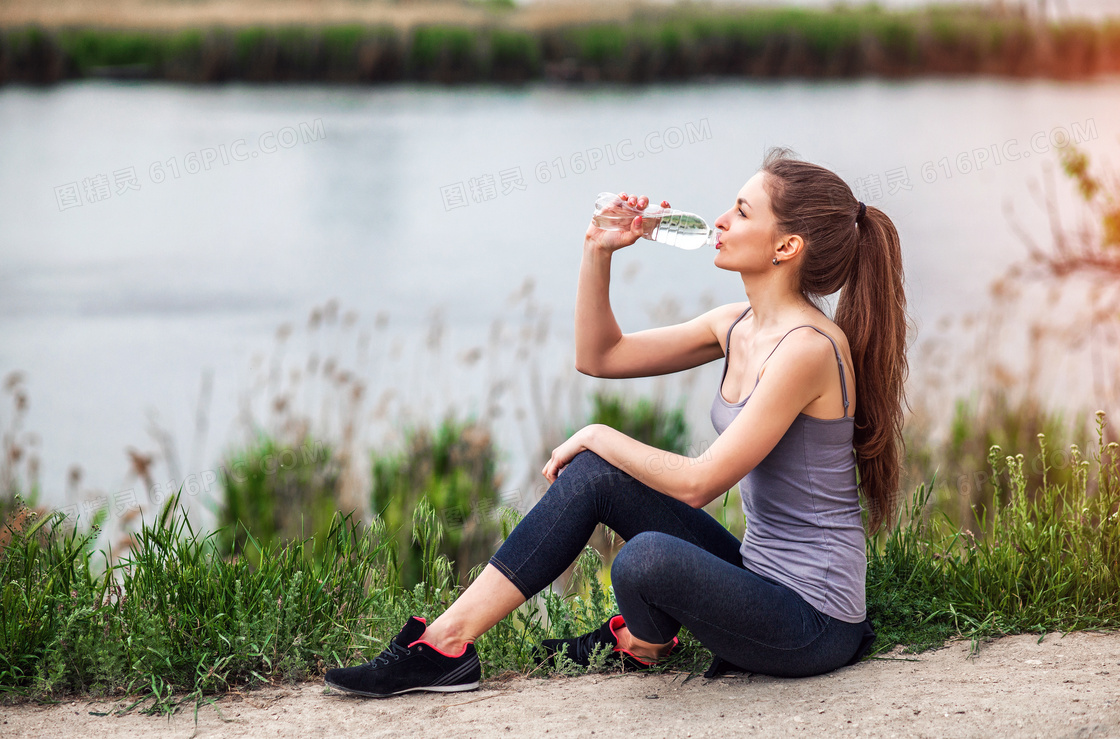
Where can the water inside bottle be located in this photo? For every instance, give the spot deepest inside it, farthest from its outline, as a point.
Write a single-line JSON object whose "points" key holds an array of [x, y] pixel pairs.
{"points": [[683, 230], [664, 225]]}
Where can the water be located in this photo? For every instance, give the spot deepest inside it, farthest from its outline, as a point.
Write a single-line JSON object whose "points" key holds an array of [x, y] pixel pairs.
{"points": [[119, 309], [664, 225]]}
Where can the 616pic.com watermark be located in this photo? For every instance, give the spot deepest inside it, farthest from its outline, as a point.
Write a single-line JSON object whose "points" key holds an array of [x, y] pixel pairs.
{"points": [[870, 187], [288, 460], [485, 187], [101, 187]]}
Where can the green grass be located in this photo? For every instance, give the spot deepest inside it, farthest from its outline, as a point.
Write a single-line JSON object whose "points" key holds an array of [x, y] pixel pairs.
{"points": [[180, 618], [963, 486], [1050, 559]]}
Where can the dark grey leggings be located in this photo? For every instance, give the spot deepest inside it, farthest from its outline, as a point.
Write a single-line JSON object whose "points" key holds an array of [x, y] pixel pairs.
{"points": [[679, 566]]}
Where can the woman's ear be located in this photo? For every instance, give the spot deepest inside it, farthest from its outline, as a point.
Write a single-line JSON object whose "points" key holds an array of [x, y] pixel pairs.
{"points": [[792, 246]]}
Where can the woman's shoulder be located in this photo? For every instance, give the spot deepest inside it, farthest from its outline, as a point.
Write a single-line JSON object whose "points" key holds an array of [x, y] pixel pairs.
{"points": [[824, 324], [726, 316], [732, 312]]}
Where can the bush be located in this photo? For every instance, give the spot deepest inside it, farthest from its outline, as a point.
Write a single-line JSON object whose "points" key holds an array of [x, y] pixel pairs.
{"points": [[278, 494], [644, 420], [453, 470]]}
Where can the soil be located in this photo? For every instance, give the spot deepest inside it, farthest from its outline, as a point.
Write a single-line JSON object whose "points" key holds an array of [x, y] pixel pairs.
{"points": [[1063, 686]]}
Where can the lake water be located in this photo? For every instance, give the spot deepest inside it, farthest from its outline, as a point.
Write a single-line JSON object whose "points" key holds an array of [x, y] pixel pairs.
{"points": [[153, 233]]}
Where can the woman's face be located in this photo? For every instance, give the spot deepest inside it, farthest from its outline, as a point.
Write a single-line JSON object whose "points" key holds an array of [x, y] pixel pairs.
{"points": [[747, 242]]}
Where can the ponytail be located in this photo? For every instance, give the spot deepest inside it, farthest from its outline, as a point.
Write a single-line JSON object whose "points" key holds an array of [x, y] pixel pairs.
{"points": [[872, 314]]}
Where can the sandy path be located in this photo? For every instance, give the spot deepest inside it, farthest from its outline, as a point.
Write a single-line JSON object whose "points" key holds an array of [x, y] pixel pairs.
{"points": [[1064, 687]]}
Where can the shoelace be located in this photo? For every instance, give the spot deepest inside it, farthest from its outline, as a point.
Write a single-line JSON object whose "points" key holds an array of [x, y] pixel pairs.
{"points": [[394, 652]]}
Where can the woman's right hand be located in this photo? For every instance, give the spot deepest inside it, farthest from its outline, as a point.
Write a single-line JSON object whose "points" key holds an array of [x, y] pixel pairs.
{"points": [[612, 241]]}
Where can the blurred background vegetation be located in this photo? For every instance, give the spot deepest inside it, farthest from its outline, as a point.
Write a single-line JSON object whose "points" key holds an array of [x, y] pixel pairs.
{"points": [[454, 470], [494, 42]]}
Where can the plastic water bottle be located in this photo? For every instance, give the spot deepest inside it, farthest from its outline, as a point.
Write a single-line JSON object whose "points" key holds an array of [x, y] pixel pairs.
{"points": [[664, 225]]}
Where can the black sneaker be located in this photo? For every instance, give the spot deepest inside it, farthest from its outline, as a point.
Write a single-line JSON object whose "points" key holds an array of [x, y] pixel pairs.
{"points": [[580, 649], [721, 666], [410, 664]]}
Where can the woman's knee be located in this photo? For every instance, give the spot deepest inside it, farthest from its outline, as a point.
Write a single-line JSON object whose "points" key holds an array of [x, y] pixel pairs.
{"points": [[642, 560], [586, 464], [582, 474]]}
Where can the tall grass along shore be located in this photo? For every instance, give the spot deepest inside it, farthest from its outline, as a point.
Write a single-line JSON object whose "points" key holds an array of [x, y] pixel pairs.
{"points": [[643, 44], [181, 617]]}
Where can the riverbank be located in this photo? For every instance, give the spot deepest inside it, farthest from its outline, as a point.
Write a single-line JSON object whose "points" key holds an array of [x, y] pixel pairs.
{"points": [[626, 42], [1014, 686]]}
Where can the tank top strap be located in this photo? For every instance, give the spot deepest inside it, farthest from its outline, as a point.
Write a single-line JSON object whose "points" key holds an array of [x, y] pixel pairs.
{"points": [[839, 359], [727, 343]]}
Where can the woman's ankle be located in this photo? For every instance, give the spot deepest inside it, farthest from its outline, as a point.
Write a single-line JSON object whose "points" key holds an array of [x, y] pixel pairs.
{"points": [[646, 650], [446, 639]]}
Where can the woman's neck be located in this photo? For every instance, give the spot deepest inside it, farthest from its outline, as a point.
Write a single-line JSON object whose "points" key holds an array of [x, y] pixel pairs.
{"points": [[774, 304]]}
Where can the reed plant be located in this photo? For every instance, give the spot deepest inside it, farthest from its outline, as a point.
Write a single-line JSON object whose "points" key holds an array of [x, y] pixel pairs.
{"points": [[182, 615], [19, 455], [1061, 304]]}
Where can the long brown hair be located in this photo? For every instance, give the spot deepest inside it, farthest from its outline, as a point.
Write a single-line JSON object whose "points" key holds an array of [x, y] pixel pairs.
{"points": [[863, 262]]}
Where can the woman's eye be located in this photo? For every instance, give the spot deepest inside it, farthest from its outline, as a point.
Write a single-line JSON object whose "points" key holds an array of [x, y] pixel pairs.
{"points": [[744, 215]]}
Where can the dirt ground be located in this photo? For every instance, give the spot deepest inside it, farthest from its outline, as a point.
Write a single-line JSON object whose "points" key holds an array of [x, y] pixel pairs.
{"points": [[1014, 687]]}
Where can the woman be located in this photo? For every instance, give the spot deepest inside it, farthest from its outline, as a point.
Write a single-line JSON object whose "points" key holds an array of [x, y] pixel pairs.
{"points": [[825, 404]]}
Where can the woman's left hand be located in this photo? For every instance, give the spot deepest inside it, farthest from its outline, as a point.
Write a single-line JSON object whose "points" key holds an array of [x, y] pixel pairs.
{"points": [[564, 453]]}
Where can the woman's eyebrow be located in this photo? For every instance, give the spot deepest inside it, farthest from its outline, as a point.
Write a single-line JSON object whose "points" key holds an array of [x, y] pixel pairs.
{"points": [[744, 202]]}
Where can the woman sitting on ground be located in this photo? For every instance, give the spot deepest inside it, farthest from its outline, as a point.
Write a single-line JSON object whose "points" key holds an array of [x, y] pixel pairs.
{"points": [[825, 404]]}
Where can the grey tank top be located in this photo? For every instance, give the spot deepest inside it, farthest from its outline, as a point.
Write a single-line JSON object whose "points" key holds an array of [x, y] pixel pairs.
{"points": [[801, 505]]}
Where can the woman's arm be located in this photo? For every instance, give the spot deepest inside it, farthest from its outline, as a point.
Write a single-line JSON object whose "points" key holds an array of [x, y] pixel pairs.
{"points": [[602, 350], [796, 375], [597, 330]]}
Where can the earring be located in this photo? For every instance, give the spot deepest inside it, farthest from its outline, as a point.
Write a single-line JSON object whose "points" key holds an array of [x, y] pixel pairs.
{"points": [[775, 260]]}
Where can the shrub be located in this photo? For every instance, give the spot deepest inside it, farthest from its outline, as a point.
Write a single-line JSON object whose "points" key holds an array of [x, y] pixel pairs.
{"points": [[277, 494], [453, 470]]}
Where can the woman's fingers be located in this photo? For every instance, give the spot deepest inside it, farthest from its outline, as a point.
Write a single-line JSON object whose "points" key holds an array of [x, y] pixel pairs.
{"points": [[550, 471], [638, 201]]}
